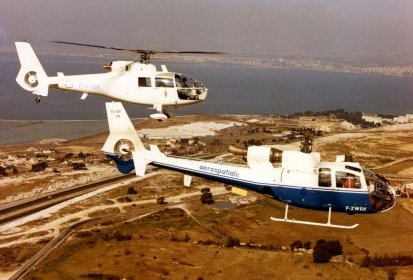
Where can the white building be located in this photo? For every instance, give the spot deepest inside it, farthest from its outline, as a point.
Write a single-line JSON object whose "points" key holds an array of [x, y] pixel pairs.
{"points": [[404, 119], [373, 119], [347, 125], [401, 119]]}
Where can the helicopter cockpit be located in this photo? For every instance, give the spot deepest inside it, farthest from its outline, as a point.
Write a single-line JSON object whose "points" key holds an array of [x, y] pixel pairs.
{"points": [[188, 88], [382, 197]]}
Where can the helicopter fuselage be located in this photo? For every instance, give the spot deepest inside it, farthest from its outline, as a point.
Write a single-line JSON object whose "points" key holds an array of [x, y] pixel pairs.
{"points": [[134, 83], [302, 186], [300, 179], [128, 81]]}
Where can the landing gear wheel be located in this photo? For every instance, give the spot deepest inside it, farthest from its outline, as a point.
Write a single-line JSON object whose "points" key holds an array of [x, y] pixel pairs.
{"points": [[37, 100]]}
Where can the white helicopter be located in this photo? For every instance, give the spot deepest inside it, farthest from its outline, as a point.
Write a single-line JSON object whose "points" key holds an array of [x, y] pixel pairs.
{"points": [[129, 81], [295, 177]]}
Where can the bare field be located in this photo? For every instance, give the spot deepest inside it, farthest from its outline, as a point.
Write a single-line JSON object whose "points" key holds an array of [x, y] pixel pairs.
{"points": [[171, 245]]}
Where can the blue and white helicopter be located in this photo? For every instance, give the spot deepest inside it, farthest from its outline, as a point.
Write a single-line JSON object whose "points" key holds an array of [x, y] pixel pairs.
{"points": [[301, 179]]}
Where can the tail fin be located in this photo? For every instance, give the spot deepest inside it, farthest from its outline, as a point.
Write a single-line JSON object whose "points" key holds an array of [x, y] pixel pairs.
{"points": [[123, 143], [32, 76]]}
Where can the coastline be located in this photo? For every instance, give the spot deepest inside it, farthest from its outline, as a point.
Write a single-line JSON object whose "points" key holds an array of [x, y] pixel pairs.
{"points": [[20, 132]]}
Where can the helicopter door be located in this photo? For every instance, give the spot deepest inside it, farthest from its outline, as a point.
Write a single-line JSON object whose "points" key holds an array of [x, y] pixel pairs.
{"points": [[323, 194], [347, 180]]}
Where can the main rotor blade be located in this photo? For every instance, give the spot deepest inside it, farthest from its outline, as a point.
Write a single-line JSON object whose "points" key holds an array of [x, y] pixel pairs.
{"points": [[137, 50], [98, 46]]}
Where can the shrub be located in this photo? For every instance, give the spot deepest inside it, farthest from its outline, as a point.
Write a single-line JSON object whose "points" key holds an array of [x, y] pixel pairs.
{"points": [[83, 234], [161, 200], [68, 156], [116, 236], [231, 242], [131, 190], [206, 197], [3, 171], [324, 250], [307, 245], [100, 276], [186, 237], [79, 166], [207, 242], [381, 261], [124, 199], [297, 244], [205, 190], [37, 167]]}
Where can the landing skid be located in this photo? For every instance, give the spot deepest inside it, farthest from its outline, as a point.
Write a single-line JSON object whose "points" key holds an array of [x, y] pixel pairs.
{"points": [[160, 116], [328, 224]]}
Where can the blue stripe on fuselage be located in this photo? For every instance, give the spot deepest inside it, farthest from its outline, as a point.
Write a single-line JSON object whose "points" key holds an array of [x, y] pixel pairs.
{"points": [[309, 197], [124, 166]]}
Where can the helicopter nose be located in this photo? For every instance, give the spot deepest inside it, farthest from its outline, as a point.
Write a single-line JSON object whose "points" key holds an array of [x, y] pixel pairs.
{"points": [[383, 198], [203, 95]]}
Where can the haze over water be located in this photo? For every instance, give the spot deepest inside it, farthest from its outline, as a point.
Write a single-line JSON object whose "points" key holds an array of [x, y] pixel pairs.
{"points": [[232, 90]]}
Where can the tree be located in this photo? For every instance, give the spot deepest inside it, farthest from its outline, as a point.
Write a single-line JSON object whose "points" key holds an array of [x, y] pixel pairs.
{"points": [[206, 197], [324, 250]]}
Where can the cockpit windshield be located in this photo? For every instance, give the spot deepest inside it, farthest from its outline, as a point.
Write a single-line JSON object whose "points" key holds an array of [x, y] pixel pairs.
{"points": [[188, 88], [381, 195]]}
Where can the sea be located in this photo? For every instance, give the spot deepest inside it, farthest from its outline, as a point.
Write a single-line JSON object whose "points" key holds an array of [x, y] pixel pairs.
{"points": [[232, 89]]}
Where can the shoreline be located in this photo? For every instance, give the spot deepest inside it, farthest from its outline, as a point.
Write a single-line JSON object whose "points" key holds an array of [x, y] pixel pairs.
{"points": [[25, 132], [254, 62]]}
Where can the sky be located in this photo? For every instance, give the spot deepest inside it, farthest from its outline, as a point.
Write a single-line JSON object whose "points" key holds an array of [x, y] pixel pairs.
{"points": [[287, 27]]}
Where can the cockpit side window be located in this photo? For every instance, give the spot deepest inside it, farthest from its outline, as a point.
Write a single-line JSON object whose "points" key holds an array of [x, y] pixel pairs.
{"points": [[324, 177], [183, 81], [144, 82], [347, 180], [164, 82]]}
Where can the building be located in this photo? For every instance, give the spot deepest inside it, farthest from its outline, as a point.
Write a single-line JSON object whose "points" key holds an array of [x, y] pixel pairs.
{"points": [[403, 119], [345, 125], [372, 118]]}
